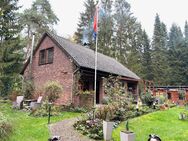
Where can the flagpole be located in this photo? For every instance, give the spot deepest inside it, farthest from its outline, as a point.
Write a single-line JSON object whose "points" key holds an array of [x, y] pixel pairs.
{"points": [[96, 46]]}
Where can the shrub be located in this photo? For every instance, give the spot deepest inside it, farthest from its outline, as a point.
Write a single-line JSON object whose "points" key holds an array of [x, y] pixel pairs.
{"points": [[5, 127], [114, 90], [44, 110], [90, 128], [28, 89], [52, 90], [162, 99], [147, 98]]}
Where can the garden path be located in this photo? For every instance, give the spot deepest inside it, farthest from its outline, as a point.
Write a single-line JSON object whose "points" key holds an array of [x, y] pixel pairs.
{"points": [[66, 130]]}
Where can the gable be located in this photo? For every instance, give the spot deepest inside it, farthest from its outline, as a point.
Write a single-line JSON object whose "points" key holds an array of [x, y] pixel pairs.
{"points": [[84, 57]]}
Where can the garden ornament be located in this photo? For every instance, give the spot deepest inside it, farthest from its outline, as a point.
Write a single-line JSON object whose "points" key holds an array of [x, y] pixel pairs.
{"points": [[154, 138], [54, 138]]}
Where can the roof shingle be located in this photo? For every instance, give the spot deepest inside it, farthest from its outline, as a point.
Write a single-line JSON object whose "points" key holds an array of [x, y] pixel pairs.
{"points": [[85, 57]]}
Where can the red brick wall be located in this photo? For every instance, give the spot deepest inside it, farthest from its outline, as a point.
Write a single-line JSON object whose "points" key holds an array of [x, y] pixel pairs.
{"points": [[174, 96], [61, 70]]}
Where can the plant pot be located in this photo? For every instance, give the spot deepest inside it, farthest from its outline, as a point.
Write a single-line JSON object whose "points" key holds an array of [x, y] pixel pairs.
{"points": [[127, 136], [107, 130]]}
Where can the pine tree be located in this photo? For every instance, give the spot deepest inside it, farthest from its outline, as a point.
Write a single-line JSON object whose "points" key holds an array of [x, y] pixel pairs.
{"points": [[84, 34], [37, 19], [105, 27], [176, 56], [10, 48], [147, 70], [175, 36], [186, 31], [123, 30], [135, 51], [159, 48]]}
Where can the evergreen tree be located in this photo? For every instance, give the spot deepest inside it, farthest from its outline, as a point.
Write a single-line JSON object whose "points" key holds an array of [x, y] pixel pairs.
{"points": [[175, 36], [147, 70], [159, 60], [176, 56], [10, 48], [123, 30], [186, 31], [84, 34], [134, 55], [105, 27], [39, 18]]}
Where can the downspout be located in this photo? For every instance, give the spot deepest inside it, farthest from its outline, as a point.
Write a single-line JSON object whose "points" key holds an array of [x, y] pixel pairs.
{"points": [[31, 56]]}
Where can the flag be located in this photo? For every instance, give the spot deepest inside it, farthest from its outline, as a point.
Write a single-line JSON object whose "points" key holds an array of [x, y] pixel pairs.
{"points": [[95, 23]]}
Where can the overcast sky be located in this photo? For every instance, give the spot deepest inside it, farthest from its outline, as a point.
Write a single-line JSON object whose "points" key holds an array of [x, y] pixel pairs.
{"points": [[170, 11]]}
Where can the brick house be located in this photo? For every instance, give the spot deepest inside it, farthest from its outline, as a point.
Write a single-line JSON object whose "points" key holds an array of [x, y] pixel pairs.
{"points": [[56, 58]]}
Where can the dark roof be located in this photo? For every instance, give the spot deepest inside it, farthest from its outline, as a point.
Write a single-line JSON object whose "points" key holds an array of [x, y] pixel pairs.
{"points": [[85, 57]]}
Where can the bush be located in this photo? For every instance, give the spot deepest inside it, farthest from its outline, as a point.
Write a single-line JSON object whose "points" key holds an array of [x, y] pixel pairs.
{"points": [[90, 128], [28, 89], [44, 110], [5, 127], [147, 98], [52, 90]]}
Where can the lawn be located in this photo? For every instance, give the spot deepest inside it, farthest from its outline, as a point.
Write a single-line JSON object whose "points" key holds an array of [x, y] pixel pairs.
{"points": [[28, 128], [163, 123]]}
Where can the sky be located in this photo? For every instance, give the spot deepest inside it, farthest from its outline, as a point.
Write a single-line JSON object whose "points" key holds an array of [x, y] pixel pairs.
{"points": [[170, 11]]}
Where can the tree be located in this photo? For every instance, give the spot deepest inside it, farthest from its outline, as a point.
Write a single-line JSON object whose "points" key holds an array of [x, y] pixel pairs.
{"points": [[84, 31], [176, 56], [10, 47], [39, 18], [159, 48], [175, 36], [147, 70], [186, 31], [105, 27]]}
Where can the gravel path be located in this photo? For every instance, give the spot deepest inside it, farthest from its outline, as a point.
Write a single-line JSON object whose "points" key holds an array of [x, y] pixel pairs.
{"points": [[66, 130]]}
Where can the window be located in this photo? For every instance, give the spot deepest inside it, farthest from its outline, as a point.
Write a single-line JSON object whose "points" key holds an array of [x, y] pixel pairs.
{"points": [[50, 52], [42, 57], [46, 56]]}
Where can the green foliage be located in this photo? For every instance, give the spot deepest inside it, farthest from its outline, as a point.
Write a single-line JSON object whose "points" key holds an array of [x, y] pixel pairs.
{"points": [[106, 112], [43, 110], [39, 17], [90, 128], [147, 98], [162, 99], [28, 89], [84, 30], [159, 56], [5, 127], [86, 92], [181, 94], [147, 69], [113, 89], [52, 90], [127, 125], [11, 55]]}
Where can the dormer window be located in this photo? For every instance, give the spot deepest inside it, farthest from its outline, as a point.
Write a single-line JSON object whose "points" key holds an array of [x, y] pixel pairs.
{"points": [[46, 56]]}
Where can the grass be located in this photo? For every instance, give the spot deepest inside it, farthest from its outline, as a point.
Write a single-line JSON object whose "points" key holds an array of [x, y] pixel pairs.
{"points": [[28, 128], [163, 123]]}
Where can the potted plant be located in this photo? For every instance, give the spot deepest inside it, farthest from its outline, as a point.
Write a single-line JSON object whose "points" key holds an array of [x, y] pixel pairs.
{"points": [[127, 135], [108, 126]]}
